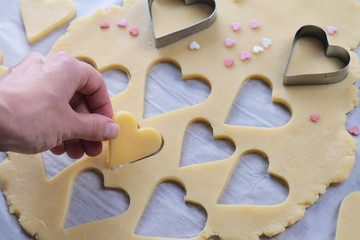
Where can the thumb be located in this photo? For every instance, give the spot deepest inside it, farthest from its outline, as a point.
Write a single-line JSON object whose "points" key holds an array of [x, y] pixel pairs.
{"points": [[95, 127]]}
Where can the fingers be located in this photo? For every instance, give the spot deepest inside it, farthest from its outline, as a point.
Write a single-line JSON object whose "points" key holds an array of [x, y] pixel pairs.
{"points": [[77, 150], [93, 87], [87, 121], [87, 81], [92, 149], [59, 149], [94, 127], [74, 148]]}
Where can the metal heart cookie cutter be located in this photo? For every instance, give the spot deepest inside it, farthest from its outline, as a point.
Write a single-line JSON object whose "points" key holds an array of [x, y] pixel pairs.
{"points": [[329, 50], [185, 32]]}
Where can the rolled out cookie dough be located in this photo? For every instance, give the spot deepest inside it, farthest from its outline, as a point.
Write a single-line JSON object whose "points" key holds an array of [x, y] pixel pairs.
{"points": [[40, 17], [307, 155]]}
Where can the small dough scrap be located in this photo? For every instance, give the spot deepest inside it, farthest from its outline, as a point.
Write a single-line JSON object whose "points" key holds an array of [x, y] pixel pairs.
{"points": [[2, 68], [132, 143], [40, 17], [349, 218]]}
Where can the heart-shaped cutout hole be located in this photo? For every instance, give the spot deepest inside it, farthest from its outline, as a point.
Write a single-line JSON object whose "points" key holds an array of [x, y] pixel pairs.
{"points": [[168, 215], [166, 90], [116, 81], [200, 146], [49, 16], [251, 183], [133, 143], [91, 201], [117, 78], [253, 107], [54, 164]]}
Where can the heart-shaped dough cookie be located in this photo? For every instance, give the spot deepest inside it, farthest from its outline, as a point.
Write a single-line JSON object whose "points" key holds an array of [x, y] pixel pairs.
{"points": [[132, 143], [40, 17]]}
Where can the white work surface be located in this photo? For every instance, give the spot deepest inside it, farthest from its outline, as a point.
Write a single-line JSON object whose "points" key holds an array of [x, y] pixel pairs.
{"points": [[167, 215]]}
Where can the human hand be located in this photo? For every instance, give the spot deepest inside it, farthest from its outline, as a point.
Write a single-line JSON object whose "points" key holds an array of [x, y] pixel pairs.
{"points": [[54, 102]]}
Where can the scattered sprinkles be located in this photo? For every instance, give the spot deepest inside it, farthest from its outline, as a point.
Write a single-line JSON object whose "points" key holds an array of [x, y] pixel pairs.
{"points": [[229, 62], [105, 24], [245, 55], [354, 130], [332, 30], [266, 42], [257, 49], [194, 45], [255, 24], [314, 117], [229, 42], [122, 23], [134, 31], [235, 26]]}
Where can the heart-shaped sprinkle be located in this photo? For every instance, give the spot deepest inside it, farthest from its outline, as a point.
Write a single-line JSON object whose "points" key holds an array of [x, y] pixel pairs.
{"points": [[229, 62], [255, 24], [235, 26], [332, 30], [194, 45], [105, 24], [245, 55], [314, 117], [257, 49], [122, 23], [134, 31], [354, 130], [229, 42], [266, 42]]}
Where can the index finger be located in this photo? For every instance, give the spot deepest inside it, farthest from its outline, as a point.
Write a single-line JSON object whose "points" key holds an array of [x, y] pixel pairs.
{"points": [[92, 86]]}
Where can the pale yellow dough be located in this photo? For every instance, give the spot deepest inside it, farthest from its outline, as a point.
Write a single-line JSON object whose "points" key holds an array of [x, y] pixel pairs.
{"points": [[132, 143], [2, 68], [307, 155], [40, 17], [349, 218]]}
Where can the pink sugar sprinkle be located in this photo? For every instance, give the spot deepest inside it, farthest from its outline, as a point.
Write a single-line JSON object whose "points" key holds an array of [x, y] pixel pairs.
{"points": [[122, 23], [354, 130], [229, 42], [255, 24], [332, 30], [134, 31], [235, 26], [229, 62], [105, 24], [245, 55], [314, 117]]}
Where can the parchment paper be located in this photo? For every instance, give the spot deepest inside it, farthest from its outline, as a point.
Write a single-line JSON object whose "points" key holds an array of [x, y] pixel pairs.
{"points": [[167, 215]]}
